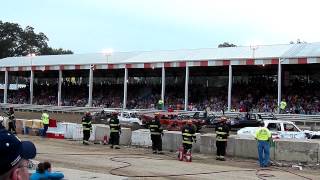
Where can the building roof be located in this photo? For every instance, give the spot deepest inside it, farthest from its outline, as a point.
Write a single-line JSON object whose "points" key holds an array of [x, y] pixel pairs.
{"points": [[263, 52]]}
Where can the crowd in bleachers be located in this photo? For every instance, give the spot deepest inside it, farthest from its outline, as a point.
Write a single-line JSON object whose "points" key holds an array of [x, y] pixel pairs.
{"points": [[255, 94]]}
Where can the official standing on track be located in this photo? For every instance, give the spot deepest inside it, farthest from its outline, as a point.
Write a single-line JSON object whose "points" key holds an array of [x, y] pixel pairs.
{"points": [[115, 131], [222, 131], [263, 135], [12, 121], [45, 121], [188, 136], [156, 133], [87, 127]]}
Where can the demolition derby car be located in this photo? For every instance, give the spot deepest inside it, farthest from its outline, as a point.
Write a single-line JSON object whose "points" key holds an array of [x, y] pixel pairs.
{"points": [[126, 118], [240, 120], [280, 130], [174, 121]]}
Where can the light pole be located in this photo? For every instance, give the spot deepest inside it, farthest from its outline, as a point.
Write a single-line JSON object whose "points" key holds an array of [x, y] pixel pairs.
{"points": [[31, 76], [107, 52], [279, 83]]}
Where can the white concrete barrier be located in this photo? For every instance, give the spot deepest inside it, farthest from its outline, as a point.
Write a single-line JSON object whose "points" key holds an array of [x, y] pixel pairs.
{"points": [[141, 137], [297, 150], [172, 140], [125, 136]]}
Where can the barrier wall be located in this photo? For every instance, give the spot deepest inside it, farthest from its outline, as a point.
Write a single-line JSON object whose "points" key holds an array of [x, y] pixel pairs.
{"points": [[141, 137], [301, 150], [125, 136], [281, 150], [172, 140]]}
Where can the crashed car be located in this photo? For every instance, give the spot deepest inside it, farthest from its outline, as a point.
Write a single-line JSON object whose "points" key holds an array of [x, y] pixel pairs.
{"points": [[279, 130], [174, 121], [126, 118], [131, 119]]}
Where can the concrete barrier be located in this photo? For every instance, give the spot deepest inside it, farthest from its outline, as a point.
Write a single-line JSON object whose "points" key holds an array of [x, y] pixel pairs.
{"points": [[208, 144], [141, 137], [125, 136], [246, 148], [172, 140], [297, 150], [101, 131]]}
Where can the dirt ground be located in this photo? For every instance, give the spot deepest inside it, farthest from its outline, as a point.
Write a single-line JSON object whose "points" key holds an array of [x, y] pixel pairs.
{"points": [[61, 117], [96, 161]]}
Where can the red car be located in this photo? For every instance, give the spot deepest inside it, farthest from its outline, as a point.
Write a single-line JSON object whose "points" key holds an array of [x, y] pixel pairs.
{"points": [[173, 121]]}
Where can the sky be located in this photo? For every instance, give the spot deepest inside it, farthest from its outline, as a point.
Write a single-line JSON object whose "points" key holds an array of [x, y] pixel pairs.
{"points": [[90, 26]]}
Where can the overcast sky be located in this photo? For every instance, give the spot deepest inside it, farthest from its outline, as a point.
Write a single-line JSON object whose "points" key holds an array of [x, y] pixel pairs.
{"points": [[86, 26]]}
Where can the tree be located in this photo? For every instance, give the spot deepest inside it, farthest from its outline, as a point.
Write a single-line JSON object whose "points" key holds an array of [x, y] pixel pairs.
{"points": [[226, 44], [52, 51], [15, 41], [298, 42]]}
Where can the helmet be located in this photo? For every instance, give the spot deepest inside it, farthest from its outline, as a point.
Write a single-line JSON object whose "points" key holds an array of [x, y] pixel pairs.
{"points": [[10, 108], [88, 113]]}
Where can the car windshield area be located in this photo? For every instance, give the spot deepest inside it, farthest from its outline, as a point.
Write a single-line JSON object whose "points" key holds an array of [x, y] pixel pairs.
{"points": [[274, 127], [290, 127]]}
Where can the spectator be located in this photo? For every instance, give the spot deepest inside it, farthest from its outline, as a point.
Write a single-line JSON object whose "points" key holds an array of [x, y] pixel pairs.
{"points": [[44, 172], [14, 156]]}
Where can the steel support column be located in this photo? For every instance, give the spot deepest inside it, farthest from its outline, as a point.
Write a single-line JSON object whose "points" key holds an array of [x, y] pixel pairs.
{"points": [[230, 88], [125, 83], [186, 89], [59, 87]]}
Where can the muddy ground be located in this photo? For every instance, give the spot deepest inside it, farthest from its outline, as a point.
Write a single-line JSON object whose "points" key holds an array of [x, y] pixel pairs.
{"points": [[99, 161]]}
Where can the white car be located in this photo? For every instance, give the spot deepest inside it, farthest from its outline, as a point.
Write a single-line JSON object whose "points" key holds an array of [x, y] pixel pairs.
{"points": [[279, 130], [130, 118]]}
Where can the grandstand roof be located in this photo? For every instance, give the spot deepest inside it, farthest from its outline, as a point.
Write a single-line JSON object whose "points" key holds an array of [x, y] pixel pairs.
{"points": [[264, 54]]}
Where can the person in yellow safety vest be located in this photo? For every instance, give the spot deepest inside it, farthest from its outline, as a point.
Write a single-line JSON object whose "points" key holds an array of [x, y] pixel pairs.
{"points": [[45, 121], [283, 106], [188, 136], [222, 131], [160, 104], [115, 131], [87, 127], [263, 135]]}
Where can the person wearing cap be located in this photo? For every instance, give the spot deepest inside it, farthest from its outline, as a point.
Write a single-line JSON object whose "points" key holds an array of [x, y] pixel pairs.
{"points": [[14, 156], [45, 121], [156, 133], [188, 136], [86, 127], [115, 131], [12, 121], [263, 135], [222, 133]]}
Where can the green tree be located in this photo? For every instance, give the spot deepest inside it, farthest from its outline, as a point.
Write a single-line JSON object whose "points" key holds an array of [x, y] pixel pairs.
{"points": [[15, 41], [226, 44]]}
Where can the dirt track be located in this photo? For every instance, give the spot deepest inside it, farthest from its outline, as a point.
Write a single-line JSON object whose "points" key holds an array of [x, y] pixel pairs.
{"points": [[66, 117], [101, 159]]}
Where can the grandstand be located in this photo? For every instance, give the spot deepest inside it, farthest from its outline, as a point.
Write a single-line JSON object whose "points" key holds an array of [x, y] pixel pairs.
{"points": [[213, 78]]}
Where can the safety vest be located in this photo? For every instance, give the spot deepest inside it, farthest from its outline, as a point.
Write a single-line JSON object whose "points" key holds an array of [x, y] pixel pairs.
{"points": [[114, 125], [45, 118], [155, 127], [188, 134], [283, 105], [222, 132], [263, 134], [86, 123]]}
